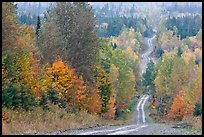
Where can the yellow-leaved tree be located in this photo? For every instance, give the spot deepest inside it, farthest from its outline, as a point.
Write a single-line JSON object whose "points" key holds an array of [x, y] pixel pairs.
{"points": [[179, 107], [66, 82]]}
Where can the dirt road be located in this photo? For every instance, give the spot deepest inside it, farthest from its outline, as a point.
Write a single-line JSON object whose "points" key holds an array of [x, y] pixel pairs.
{"points": [[141, 126]]}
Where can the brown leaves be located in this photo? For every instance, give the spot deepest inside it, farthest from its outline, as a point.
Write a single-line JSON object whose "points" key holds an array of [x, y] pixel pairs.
{"points": [[5, 117]]}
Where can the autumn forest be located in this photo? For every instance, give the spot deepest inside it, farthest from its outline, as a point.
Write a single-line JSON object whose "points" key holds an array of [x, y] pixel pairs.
{"points": [[74, 64]]}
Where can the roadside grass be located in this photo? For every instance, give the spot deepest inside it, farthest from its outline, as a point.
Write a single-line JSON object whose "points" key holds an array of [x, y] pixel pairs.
{"points": [[196, 122], [147, 114], [30, 122], [129, 116]]}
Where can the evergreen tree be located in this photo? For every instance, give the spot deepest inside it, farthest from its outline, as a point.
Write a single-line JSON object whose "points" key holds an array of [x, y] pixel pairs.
{"points": [[38, 27], [179, 51], [148, 76]]}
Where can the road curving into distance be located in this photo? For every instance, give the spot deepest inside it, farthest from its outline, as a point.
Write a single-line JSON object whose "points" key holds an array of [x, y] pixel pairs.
{"points": [[140, 127], [146, 56]]}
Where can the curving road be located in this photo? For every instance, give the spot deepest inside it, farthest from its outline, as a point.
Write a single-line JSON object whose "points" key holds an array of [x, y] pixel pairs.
{"points": [[140, 120], [140, 127], [145, 56]]}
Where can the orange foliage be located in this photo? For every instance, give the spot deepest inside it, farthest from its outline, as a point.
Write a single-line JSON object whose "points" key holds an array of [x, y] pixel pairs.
{"points": [[34, 66], [67, 83], [94, 102], [111, 111], [179, 107]]}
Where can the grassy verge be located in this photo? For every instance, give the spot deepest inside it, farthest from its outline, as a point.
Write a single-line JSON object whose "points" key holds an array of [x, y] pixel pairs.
{"points": [[195, 122], [30, 122], [147, 113]]}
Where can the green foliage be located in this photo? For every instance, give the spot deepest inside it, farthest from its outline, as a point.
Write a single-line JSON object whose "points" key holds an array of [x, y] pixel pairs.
{"points": [[198, 108], [118, 112], [69, 32], [116, 24], [105, 53], [126, 78], [178, 83], [180, 75], [104, 85], [43, 102], [10, 97], [159, 52], [179, 51], [186, 25], [62, 103], [14, 98], [148, 33], [38, 27], [121, 65], [52, 96], [27, 98], [131, 105], [163, 79], [149, 76]]}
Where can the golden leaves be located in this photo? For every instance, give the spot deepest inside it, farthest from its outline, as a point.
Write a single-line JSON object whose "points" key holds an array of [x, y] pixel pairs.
{"points": [[94, 103], [179, 107], [67, 82], [188, 56]]}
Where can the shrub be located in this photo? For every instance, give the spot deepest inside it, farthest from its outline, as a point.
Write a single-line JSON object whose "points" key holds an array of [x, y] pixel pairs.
{"points": [[62, 103], [27, 98], [118, 112], [159, 52], [198, 109], [52, 97], [43, 102], [10, 97], [94, 104], [13, 98]]}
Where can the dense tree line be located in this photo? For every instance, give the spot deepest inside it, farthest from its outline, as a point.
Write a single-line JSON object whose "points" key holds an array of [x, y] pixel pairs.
{"points": [[63, 63], [188, 7], [117, 17], [186, 26], [175, 80], [27, 12], [116, 23]]}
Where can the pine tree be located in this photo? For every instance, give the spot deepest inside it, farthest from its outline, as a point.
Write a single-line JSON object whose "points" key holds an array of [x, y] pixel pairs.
{"points": [[38, 27], [148, 76], [179, 51]]}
